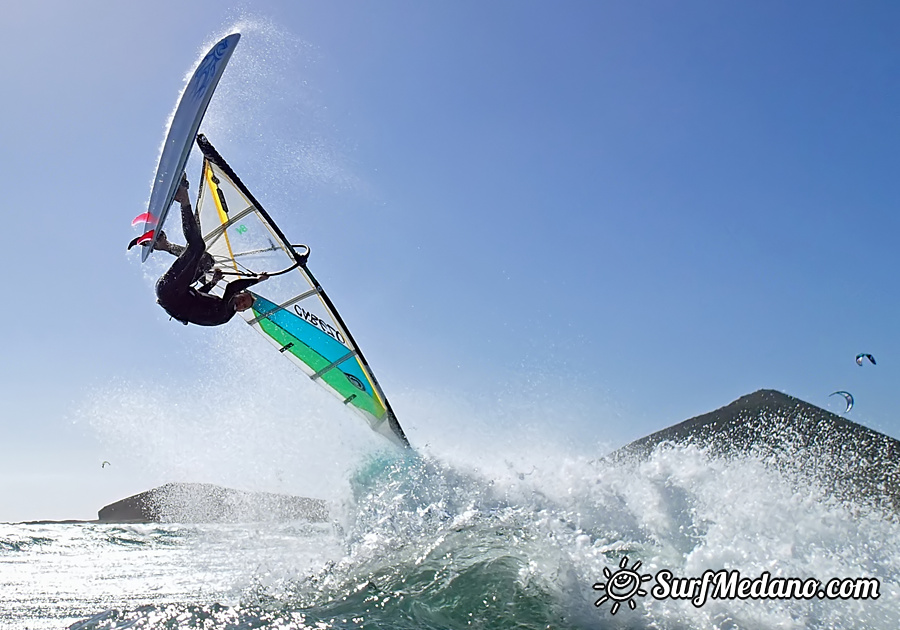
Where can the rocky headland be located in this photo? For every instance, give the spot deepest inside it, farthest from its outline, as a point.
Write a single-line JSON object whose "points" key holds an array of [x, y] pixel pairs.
{"points": [[852, 461], [208, 503]]}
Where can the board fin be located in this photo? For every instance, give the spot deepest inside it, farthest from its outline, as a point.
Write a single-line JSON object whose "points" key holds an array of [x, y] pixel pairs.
{"points": [[146, 237]]}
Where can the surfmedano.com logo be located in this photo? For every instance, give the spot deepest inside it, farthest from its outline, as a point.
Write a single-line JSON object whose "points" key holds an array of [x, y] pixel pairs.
{"points": [[624, 584]]}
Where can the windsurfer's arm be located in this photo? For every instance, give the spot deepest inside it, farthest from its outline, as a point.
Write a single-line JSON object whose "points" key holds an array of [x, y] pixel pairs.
{"points": [[217, 275], [237, 286]]}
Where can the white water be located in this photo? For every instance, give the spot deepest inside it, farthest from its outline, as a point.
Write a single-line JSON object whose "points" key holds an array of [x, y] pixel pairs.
{"points": [[544, 538]]}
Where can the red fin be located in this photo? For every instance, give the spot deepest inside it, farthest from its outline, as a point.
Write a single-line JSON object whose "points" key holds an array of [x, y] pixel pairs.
{"points": [[145, 218], [146, 237]]}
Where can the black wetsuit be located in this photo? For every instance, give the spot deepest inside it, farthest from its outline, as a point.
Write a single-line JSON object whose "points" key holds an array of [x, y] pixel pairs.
{"points": [[182, 301]]}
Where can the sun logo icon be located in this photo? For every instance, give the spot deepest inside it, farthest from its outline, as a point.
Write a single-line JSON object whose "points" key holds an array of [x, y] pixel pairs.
{"points": [[621, 586]]}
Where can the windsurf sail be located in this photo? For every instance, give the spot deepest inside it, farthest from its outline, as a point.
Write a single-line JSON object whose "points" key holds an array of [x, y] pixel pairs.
{"points": [[291, 309]]}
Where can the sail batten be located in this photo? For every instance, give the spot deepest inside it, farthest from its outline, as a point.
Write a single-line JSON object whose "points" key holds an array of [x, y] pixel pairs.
{"points": [[284, 305]]}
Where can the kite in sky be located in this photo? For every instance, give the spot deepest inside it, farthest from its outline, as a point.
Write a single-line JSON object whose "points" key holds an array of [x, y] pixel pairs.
{"points": [[847, 396]]}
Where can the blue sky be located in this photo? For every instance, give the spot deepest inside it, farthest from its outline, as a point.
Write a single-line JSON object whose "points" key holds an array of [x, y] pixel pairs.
{"points": [[583, 222]]}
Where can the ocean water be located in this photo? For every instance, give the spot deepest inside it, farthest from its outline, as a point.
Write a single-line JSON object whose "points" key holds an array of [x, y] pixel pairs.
{"points": [[421, 544]]}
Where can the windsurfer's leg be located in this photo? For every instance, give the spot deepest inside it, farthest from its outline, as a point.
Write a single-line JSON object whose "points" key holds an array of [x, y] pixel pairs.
{"points": [[190, 225], [195, 239], [165, 245], [187, 268]]}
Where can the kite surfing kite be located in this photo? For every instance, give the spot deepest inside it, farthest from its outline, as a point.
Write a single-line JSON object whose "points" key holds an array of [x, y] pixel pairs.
{"points": [[848, 397], [860, 357]]}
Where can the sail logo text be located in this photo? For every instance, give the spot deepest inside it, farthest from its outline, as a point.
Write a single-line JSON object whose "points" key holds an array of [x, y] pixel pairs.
{"points": [[623, 585], [319, 323]]}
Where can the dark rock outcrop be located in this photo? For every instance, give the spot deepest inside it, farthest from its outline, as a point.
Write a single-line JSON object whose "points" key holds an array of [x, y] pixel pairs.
{"points": [[850, 460], [207, 503]]}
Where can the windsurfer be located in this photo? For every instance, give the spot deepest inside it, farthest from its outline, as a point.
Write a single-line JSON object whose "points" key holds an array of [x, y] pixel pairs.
{"points": [[174, 291]]}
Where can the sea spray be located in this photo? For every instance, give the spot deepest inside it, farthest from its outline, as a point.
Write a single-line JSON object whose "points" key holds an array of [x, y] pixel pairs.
{"points": [[422, 536]]}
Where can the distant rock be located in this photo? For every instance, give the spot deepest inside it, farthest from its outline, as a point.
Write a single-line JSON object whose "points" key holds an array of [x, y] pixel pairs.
{"points": [[207, 503], [852, 461]]}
